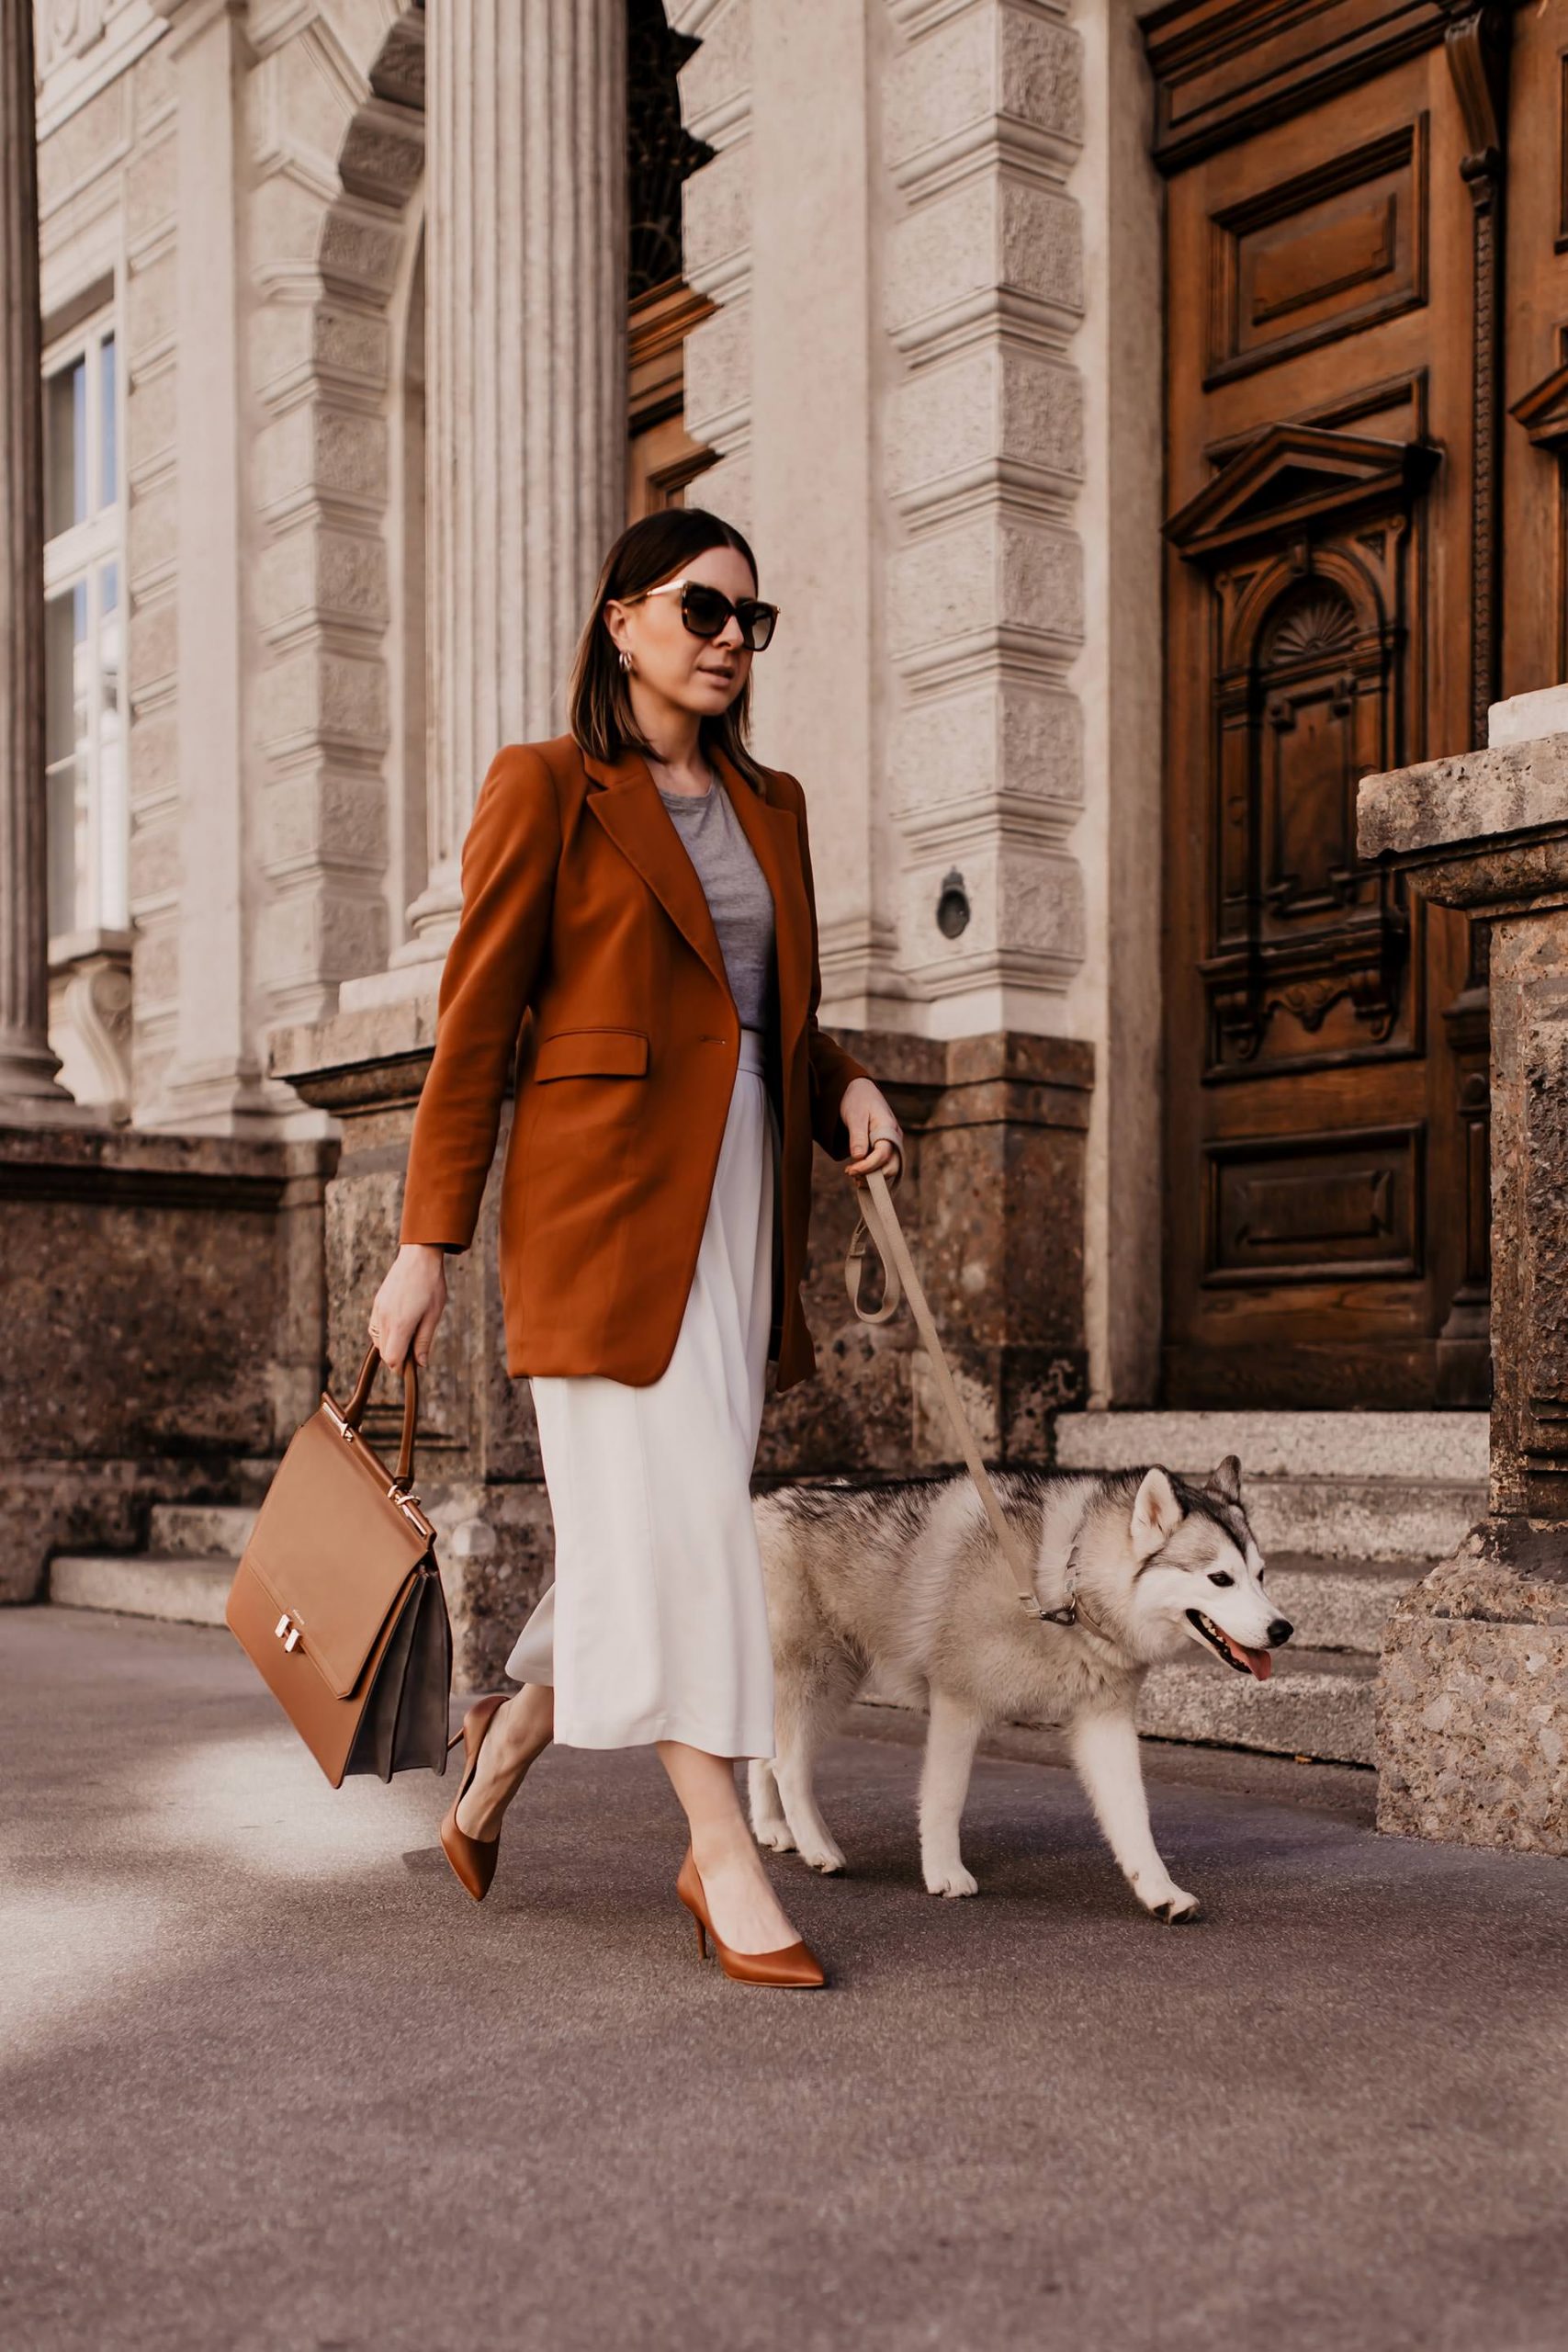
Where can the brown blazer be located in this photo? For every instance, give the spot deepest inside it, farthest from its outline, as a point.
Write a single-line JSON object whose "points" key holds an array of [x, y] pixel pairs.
{"points": [[585, 948]]}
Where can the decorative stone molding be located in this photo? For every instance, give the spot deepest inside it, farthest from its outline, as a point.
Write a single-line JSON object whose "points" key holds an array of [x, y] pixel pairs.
{"points": [[89, 1018], [66, 29], [85, 48], [982, 121]]}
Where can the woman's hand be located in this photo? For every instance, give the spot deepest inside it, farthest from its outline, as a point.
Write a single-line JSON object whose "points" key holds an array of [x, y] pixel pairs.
{"points": [[410, 1304], [876, 1140]]}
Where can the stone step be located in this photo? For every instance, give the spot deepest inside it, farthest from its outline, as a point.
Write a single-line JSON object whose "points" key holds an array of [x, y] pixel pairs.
{"points": [[1358, 1486], [210, 1530], [183, 1588], [1338, 1604], [1318, 1704]]}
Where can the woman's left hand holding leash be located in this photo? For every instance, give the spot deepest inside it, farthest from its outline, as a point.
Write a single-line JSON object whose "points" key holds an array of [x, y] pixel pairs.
{"points": [[876, 1140]]}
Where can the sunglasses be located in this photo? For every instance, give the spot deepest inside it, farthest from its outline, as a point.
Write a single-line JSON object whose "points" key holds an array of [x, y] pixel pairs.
{"points": [[705, 611]]}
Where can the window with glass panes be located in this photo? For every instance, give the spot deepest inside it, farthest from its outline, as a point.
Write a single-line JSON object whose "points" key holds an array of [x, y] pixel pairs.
{"points": [[88, 827]]}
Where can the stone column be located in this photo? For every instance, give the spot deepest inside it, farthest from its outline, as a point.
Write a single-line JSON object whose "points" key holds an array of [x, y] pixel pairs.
{"points": [[28, 1087], [1472, 1701], [526, 466]]}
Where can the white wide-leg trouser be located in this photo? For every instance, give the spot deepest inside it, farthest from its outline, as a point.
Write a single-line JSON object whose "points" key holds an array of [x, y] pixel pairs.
{"points": [[656, 1626]]}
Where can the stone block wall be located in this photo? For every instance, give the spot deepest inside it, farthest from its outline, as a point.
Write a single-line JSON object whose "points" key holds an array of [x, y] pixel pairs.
{"points": [[1472, 1701], [164, 1312]]}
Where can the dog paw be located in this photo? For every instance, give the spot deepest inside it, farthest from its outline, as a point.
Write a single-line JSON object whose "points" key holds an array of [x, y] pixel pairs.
{"points": [[774, 1835], [825, 1859], [1176, 1909], [953, 1881]]}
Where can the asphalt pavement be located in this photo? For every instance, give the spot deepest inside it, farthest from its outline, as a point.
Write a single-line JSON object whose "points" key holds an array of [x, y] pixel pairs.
{"points": [[268, 2078]]}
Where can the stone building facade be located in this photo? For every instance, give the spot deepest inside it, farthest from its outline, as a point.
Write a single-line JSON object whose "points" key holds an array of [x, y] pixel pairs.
{"points": [[279, 227], [1007, 330], [348, 290]]}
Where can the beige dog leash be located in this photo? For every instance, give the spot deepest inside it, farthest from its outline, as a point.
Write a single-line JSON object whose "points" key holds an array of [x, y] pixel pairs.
{"points": [[878, 1222]]}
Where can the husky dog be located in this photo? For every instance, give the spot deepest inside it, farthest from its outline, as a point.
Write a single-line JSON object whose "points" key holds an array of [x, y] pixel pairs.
{"points": [[904, 1582]]}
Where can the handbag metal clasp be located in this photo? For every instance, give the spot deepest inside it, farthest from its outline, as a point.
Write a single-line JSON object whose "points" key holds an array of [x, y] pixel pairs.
{"points": [[409, 1506], [288, 1631]]}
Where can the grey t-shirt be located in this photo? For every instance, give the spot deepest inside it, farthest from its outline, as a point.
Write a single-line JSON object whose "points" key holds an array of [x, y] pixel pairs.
{"points": [[737, 889]]}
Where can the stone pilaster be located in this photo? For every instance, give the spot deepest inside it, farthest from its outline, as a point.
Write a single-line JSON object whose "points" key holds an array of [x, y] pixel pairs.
{"points": [[1473, 1701], [212, 1082], [526, 262], [151, 346], [982, 124], [29, 1089]]}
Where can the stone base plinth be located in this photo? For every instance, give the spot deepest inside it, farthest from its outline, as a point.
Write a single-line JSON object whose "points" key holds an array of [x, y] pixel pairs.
{"points": [[163, 1328], [1471, 1733], [496, 1545]]}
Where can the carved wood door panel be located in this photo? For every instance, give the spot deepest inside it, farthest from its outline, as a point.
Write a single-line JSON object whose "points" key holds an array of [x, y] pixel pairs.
{"points": [[1534, 539], [1329, 611]]}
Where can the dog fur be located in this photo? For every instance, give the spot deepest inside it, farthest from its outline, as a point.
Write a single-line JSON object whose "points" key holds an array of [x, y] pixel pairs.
{"points": [[903, 1581]]}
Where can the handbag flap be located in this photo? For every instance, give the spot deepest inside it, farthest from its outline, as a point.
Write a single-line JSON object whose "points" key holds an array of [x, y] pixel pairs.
{"points": [[331, 1548]]}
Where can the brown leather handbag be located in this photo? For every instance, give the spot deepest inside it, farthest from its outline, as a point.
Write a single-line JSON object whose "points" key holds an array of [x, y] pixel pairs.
{"points": [[337, 1600]]}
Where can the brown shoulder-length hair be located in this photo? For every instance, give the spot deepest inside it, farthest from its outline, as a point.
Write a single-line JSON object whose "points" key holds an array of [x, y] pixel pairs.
{"points": [[656, 547]]}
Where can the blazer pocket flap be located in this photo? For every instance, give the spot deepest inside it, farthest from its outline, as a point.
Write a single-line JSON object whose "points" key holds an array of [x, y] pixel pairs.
{"points": [[592, 1053]]}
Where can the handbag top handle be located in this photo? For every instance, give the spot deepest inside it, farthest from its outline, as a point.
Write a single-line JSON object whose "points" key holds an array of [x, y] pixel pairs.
{"points": [[353, 1411]]}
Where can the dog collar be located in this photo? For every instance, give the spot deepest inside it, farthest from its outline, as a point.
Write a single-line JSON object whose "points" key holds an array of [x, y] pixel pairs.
{"points": [[1072, 1611]]}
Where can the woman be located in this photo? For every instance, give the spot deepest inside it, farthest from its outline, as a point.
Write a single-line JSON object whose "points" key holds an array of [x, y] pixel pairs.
{"points": [[639, 929]]}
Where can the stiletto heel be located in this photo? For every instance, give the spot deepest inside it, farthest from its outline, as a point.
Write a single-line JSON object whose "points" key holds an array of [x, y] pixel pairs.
{"points": [[473, 1859], [795, 1965]]}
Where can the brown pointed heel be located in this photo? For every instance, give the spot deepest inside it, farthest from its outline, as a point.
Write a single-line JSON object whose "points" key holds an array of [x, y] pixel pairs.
{"points": [[793, 1965], [473, 1859]]}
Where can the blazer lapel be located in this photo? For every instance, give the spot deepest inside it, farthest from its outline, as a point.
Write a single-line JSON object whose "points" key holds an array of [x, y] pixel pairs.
{"points": [[625, 802], [628, 805]]}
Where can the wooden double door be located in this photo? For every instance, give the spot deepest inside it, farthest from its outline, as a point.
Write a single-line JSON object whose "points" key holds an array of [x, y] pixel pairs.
{"points": [[1367, 415]]}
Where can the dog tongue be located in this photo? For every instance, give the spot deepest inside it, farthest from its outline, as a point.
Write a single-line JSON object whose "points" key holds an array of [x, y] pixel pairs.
{"points": [[1260, 1662]]}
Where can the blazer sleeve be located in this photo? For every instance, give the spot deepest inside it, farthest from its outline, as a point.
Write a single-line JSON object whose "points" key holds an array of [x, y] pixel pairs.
{"points": [[830, 1066], [510, 855]]}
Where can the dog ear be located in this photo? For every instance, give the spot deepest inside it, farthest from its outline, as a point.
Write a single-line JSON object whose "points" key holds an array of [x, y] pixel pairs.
{"points": [[1156, 1514], [1225, 1483]]}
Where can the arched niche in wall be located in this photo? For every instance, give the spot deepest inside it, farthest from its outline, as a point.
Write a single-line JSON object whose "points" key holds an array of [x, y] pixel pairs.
{"points": [[337, 213]]}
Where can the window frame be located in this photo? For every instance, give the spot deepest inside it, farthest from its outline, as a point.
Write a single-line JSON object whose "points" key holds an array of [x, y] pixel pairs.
{"points": [[76, 556]]}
